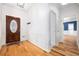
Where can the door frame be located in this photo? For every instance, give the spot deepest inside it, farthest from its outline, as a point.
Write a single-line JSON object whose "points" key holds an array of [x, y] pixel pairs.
{"points": [[50, 39], [19, 27]]}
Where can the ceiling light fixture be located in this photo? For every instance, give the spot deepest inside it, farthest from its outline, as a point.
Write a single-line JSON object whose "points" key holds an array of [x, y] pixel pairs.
{"points": [[64, 3], [20, 5]]}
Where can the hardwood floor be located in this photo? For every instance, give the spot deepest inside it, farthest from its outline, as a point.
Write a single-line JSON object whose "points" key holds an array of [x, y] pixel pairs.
{"points": [[65, 50], [70, 40], [68, 47], [26, 48]]}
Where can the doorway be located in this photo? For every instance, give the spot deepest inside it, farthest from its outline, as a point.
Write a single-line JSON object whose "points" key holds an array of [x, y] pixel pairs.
{"points": [[70, 32], [12, 29]]}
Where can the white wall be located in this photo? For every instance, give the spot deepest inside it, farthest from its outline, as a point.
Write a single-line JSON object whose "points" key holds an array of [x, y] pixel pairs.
{"points": [[39, 27], [73, 33], [70, 10], [39, 30], [16, 12]]}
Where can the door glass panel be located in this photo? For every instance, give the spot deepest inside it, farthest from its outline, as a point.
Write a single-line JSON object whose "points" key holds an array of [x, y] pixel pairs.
{"points": [[13, 26]]}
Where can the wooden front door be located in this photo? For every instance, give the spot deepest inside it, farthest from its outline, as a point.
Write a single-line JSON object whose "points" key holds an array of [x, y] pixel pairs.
{"points": [[12, 29]]}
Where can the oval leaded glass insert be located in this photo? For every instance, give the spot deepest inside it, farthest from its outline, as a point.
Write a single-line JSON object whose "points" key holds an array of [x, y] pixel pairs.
{"points": [[13, 26]]}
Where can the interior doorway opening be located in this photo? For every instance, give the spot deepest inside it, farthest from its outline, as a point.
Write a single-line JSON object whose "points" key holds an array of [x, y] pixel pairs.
{"points": [[70, 32]]}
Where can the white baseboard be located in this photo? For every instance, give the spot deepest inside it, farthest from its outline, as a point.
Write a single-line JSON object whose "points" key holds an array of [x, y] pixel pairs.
{"points": [[47, 50]]}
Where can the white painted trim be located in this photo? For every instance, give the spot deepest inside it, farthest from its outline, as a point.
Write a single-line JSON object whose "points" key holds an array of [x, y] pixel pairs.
{"points": [[47, 50], [50, 39]]}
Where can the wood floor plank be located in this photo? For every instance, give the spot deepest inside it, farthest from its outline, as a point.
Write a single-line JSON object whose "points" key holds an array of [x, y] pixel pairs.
{"points": [[75, 51], [65, 50], [59, 51], [54, 53], [25, 48]]}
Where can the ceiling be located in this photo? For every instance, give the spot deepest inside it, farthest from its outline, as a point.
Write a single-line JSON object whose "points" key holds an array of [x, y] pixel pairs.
{"points": [[26, 6]]}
